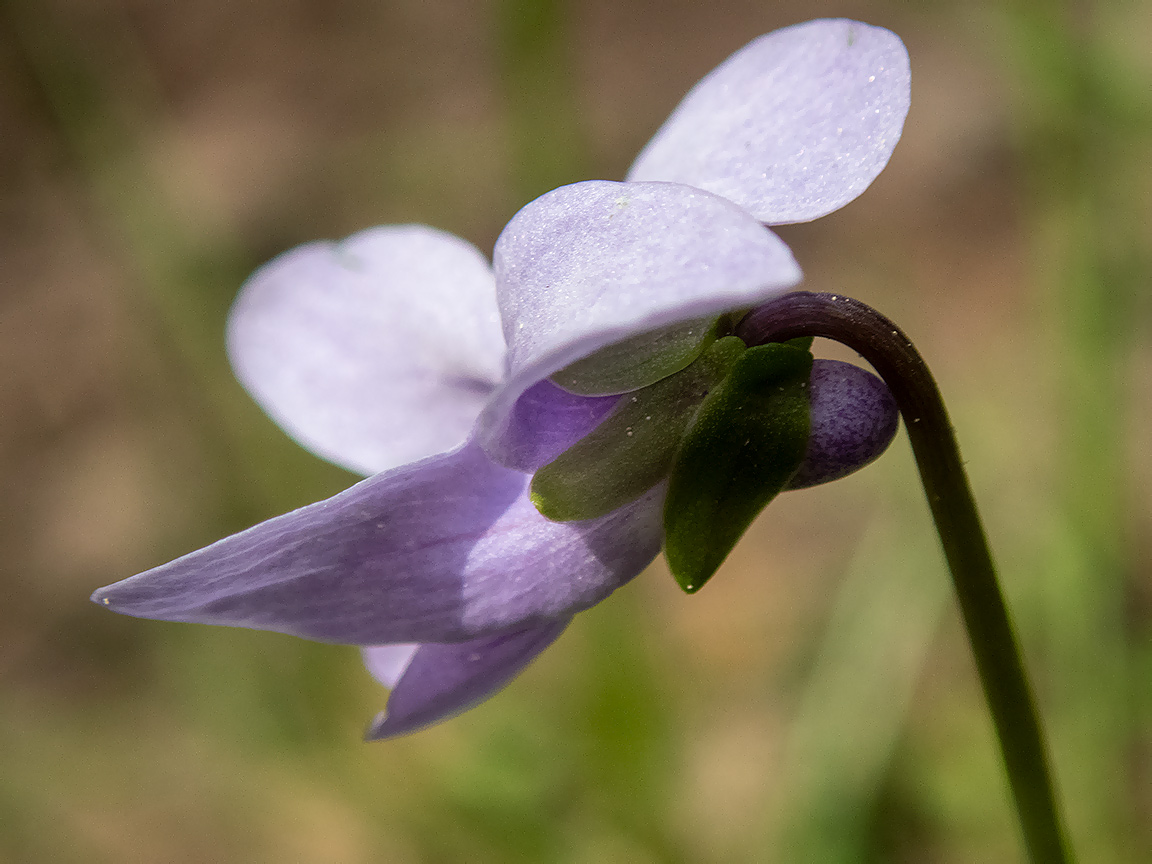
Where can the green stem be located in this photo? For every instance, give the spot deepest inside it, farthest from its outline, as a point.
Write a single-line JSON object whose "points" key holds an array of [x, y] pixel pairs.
{"points": [[994, 644]]}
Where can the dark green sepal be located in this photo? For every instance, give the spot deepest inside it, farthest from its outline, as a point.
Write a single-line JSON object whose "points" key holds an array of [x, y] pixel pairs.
{"points": [[747, 439], [632, 450]]}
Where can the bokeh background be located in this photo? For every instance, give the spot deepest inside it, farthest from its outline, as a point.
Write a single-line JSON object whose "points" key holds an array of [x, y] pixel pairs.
{"points": [[817, 701]]}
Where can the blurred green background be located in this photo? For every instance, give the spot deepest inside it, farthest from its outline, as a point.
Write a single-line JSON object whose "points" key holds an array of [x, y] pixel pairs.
{"points": [[817, 701]]}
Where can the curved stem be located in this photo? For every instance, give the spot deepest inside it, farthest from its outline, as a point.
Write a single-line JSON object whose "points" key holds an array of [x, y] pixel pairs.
{"points": [[994, 644]]}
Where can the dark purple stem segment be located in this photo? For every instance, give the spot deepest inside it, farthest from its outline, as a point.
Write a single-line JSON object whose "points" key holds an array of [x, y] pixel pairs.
{"points": [[994, 644]]}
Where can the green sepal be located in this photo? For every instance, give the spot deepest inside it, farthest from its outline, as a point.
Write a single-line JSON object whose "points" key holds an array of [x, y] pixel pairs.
{"points": [[632, 450], [639, 361], [804, 343], [747, 439]]}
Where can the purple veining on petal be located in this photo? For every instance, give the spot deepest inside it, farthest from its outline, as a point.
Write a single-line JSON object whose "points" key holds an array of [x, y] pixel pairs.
{"points": [[443, 550], [441, 681], [854, 419], [791, 127]]}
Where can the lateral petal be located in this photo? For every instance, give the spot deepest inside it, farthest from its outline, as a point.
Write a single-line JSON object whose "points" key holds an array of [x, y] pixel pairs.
{"points": [[597, 263], [375, 351]]}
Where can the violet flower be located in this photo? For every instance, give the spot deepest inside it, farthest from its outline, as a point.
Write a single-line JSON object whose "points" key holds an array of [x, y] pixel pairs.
{"points": [[401, 354]]}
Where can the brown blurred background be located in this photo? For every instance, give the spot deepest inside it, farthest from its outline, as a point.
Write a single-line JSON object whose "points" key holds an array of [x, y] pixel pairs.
{"points": [[817, 701]]}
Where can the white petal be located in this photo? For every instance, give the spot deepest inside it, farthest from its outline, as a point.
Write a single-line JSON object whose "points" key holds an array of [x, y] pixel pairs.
{"points": [[387, 663], [792, 126], [597, 263], [373, 352]]}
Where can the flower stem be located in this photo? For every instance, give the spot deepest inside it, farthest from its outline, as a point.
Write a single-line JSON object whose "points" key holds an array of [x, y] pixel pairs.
{"points": [[994, 644]]}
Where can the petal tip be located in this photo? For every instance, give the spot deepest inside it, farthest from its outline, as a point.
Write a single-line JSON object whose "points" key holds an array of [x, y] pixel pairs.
{"points": [[378, 728], [104, 597], [120, 598], [387, 725]]}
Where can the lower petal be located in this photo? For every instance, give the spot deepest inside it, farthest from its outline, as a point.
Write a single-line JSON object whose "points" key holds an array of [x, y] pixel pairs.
{"points": [[444, 550], [442, 681]]}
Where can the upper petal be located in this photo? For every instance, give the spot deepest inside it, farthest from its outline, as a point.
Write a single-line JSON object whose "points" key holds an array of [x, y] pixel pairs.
{"points": [[373, 352], [596, 263], [792, 126], [444, 550]]}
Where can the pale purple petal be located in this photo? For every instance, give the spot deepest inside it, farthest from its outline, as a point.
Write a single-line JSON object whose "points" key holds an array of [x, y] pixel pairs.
{"points": [[854, 419], [792, 126], [441, 681], [373, 352], [547, 420], [444, 550], [596, 263], [387, 663]]}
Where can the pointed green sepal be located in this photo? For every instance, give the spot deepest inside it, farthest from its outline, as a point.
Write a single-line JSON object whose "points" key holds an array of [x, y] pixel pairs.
{"points": [[639, 361], [632, 450], [747, 439]]}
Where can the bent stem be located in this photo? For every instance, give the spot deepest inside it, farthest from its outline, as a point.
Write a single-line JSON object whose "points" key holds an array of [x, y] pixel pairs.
{"points": [[990, 632]]}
